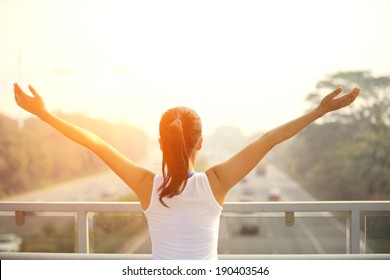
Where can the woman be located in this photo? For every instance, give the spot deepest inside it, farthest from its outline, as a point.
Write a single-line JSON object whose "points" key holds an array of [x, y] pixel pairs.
{"points": [[182, 206]]}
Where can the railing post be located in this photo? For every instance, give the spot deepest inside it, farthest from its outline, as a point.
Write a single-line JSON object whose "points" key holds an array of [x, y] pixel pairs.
{"points": [[82, 232], [354, 232]]}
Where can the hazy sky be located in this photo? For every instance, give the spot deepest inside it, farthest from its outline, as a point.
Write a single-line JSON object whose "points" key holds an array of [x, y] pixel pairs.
{"points": [[243, 63]]}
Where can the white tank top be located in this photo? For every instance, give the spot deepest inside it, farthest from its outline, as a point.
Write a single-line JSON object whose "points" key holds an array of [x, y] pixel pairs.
{"points": [[188, 229]]}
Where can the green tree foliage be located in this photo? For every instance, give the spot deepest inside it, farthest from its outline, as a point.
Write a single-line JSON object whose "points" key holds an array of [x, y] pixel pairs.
{"points": [[12, 155], [36, 155], [347, 155]]}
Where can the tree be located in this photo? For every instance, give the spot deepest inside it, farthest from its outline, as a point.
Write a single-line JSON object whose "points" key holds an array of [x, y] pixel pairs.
{"points": [[371, 112], [13, 163], [347, 155]]}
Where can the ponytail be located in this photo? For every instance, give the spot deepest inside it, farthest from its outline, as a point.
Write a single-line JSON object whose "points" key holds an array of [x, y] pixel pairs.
{"points": [[180, 130]]}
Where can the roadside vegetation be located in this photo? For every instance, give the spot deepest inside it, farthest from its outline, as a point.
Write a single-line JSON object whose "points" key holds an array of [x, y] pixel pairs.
{"points": [[33, 155], [347, 155]]}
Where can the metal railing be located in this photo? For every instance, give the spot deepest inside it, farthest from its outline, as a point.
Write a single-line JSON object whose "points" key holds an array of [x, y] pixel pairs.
{"points": [[354, 211]]}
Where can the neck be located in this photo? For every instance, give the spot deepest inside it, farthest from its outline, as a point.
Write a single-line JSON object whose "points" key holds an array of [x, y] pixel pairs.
{"points": [[191, 161]]}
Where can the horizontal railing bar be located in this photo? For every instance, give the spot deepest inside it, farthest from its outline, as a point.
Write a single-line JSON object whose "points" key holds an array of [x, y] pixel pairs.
{"points": [[324, 214], [239, 207], [71, 206], [312, 206], [107, 256]]}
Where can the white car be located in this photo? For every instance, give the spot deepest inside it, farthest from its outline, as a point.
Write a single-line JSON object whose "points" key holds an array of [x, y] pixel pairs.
{"points": [[274, 194], [10, 242]]}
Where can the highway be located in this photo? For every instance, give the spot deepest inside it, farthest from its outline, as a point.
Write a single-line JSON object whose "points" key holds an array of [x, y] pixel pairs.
{"points": [[105, 186], [320, 234]]}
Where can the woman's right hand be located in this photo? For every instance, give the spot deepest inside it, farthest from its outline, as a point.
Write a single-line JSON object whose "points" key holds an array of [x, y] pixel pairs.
{"points": [[34, 105]]}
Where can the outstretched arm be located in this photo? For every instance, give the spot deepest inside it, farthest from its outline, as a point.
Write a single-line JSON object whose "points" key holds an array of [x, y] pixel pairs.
{"points": [[130, 173], [225, 175]]}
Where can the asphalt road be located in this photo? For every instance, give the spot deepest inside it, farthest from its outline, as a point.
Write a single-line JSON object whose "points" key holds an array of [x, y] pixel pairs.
{"points": [[259, 234], [105, 186]]}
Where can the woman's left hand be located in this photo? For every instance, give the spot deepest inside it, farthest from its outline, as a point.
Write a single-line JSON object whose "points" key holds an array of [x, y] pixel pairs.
{"points": [[331, 103]]}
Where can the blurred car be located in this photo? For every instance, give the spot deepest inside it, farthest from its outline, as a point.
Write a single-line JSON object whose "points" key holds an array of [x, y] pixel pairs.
{"points": [[274, 194], [249, 226], [10, 242], [261, 170], [247, 194], [248, 191], [107, 194]]}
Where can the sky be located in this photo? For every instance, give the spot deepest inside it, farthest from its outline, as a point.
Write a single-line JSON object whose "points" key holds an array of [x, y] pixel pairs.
{"points": [[248, 64]]}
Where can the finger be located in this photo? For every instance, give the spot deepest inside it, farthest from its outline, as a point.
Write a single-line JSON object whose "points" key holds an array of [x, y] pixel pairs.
{"points": [[350, 97], [18, 93], [34, 92], [354, 93], [336, 92], [17, 88]]}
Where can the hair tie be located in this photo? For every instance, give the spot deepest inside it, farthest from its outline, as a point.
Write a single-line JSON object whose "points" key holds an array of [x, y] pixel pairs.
{"points": [[178, 122]]}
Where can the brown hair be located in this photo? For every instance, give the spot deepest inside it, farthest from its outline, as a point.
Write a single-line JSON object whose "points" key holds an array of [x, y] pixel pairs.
{"points": [[180, 131]]}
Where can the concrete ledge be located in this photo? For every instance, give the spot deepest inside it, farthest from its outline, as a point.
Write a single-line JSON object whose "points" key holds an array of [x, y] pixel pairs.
{"points": [[78, 256]]}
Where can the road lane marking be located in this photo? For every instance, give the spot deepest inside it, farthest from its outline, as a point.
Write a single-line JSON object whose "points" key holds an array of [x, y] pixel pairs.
{"points": [[137, 241], [312, 238]]}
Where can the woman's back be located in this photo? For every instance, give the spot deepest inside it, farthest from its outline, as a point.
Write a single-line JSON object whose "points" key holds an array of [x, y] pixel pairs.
{"points": [[188, 229]]}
